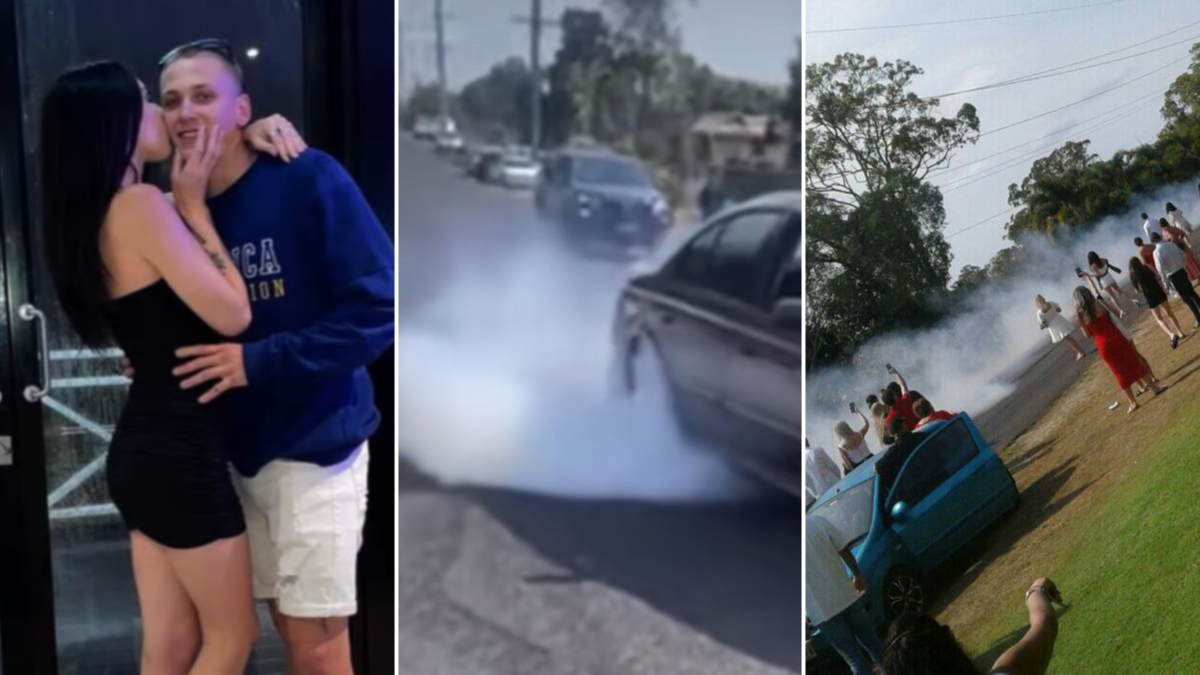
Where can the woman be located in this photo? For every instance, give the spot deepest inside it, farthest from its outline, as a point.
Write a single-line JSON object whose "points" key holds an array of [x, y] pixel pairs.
{"points": [[1049, 316], [1177, 218], [1146, 282], [1179, 238], [1102, 272], [917, 644], [132, 268], [1112, 345], [852, 445]]}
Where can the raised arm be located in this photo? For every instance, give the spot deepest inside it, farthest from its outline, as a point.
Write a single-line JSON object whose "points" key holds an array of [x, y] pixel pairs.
{"points": [[1031, 655], [189, 256], [866, 424]]}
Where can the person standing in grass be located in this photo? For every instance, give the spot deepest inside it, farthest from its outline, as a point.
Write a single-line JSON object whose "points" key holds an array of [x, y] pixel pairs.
{"points": [[833, 602]]}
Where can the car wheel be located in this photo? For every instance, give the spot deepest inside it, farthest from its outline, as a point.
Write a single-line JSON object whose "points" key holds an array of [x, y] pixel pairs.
{"points": [[903, 593]]}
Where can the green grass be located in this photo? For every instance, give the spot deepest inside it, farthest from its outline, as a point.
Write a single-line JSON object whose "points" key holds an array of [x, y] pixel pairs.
{"points": [[1129, 571]]}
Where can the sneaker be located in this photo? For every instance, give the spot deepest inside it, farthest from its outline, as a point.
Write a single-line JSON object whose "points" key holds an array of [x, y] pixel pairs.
{"points": [[1174, 341]]}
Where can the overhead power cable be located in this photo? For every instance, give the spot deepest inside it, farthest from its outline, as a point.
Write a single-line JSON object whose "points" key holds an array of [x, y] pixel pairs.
{"points": [[1084, 99], [967, 20], [1056, 72]]}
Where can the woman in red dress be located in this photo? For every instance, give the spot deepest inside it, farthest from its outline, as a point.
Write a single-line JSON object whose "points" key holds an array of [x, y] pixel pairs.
{"points": [[1112, 345]]}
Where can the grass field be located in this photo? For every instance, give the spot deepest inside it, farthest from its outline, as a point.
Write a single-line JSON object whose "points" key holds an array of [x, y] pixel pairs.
{"points": [[1128, 568]]}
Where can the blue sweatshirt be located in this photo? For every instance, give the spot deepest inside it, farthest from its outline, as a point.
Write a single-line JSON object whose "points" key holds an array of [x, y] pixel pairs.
{"points": [[320, 272]]}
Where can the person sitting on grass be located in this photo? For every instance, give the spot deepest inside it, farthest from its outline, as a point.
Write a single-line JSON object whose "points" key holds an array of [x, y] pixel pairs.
{"points": [[917, 644], [924, 409]]}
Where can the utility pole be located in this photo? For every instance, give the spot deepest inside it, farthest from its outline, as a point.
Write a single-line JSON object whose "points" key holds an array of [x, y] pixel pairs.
{"points": [[439, 18], [536, 24]]}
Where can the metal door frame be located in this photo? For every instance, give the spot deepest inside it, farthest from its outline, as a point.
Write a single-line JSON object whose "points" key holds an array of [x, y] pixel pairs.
{"points": [[28, 631]]}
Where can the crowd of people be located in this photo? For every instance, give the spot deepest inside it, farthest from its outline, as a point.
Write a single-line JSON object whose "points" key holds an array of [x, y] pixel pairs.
{"points": [[1165, 265], [895, 411]]}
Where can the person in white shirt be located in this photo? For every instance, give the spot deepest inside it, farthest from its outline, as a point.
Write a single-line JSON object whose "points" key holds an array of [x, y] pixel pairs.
{"points": [[820, 473], [832, 600], [1148, 226], [1169, 259]]}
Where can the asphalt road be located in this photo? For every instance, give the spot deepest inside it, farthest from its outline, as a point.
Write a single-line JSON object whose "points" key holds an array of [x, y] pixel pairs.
{"points": [[495, 582]]}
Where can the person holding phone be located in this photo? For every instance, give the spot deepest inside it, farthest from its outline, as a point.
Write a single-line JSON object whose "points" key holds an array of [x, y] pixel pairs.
{"points": [[852, 444]]}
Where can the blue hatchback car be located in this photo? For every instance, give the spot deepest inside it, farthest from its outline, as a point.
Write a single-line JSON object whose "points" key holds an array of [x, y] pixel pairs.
{"points": [[908, 509]]}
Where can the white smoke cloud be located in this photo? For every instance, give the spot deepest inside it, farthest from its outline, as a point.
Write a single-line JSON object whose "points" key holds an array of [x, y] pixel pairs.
{"points": [[504, 381], [960, 364]]}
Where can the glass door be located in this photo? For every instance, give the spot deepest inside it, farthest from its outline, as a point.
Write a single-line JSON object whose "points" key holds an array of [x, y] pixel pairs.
{"points": [[66, 584]]}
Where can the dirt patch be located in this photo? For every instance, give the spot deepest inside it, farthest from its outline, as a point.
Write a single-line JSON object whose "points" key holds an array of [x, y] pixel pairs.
{"points": [[1064, 465]]}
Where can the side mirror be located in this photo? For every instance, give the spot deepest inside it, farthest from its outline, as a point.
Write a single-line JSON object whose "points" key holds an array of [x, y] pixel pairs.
{"points": [[788, 313], [899, 510]]}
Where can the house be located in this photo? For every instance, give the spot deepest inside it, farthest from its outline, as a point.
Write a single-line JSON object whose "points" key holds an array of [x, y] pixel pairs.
{"points": [[734, 139]]}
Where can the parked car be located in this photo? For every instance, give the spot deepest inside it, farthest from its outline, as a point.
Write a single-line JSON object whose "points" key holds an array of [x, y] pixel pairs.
{"points": [[594, 195], [908, 509], [482, 160], [427, 128], [518, 169], [448, 142], [713, 319]]}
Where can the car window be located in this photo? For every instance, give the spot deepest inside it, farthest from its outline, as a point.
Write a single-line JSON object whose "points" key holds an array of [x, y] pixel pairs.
{"points": [[727, 257], [737, 269], [615, 172], [934, 463], [849, 512]]}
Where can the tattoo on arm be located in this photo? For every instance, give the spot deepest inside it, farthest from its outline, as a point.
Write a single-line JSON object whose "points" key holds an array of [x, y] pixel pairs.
{"points": [[215, 256]]}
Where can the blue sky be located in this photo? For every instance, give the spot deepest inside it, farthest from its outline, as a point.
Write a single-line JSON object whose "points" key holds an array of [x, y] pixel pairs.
{"points": [[966, 55], [754, 44]]}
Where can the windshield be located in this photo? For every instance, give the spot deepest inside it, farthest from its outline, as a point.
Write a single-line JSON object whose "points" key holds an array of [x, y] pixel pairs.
{"points": [[616, 172], [850, 512]]}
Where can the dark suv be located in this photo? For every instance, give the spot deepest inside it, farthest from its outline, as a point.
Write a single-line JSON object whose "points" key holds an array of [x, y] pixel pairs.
{"points": [[716, 323], [596, 196]]}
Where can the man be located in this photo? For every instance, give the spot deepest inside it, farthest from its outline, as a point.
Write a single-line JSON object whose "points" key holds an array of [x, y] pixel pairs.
{"points": [[899, 400], [319, 269], [833, 602], [1147, 226], [925, 411], [1169, 259], [820, 473]]}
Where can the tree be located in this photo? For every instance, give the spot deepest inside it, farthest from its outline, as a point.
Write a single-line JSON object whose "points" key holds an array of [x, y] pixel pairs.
{"points": [[1051, 195], [425, 101], [586, 45], [498, 103], [875, 249], [1183, 97], [970, 277]]}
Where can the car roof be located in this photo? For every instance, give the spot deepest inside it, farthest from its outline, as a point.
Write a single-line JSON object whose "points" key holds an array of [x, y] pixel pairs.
{"points": [[595, 153]]}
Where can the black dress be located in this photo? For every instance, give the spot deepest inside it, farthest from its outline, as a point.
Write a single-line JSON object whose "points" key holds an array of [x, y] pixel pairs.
{"points": [[167, 470], [1148, 284]]}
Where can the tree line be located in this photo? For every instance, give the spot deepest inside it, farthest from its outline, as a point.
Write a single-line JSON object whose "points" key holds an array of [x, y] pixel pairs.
{"points": [[619, 77]]}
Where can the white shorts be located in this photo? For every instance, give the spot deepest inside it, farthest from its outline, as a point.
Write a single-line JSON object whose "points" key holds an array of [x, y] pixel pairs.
{"points": [[305, 523]]}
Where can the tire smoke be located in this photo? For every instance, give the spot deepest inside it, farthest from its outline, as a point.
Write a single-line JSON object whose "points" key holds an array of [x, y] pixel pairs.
{"points": [[968, 362], [504, 380]]}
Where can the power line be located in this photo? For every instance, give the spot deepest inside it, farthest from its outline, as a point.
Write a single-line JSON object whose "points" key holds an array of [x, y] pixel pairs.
{"points": [[1086, 98], [950, 186], [941, 172], [1033, 77], [970, 20], [982, 222]]}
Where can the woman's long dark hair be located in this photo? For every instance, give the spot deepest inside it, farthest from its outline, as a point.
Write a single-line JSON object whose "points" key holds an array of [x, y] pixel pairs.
{"points": [[918, 645], [1093, 258], [91, 118]]}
